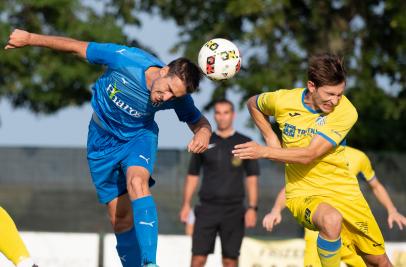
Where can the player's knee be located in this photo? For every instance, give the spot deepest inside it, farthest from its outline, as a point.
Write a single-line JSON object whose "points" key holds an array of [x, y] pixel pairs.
{"points": [[198, 260], [331, 224], [136, 184], [229, 262]]}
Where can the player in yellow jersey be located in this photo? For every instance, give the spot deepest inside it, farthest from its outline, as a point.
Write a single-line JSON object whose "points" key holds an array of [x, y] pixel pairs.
{"points": [[11, 244], [360, 166], [320, 191]]}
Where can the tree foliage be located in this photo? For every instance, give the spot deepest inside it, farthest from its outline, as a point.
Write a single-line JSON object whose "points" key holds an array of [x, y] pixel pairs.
{"points": [[277, 36], [43, 80]]}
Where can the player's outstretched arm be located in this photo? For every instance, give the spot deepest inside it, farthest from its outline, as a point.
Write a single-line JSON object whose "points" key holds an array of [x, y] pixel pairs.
{"points": [[274, 217], [262, 122], [20, 38], [383, 197], [202, 133], [251, 150]]}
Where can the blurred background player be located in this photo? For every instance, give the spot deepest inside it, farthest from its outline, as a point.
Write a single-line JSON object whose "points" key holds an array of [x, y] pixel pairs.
{"points": [[320, 192], [221, 207], [123, 136], [360, 166], [11, 244]]}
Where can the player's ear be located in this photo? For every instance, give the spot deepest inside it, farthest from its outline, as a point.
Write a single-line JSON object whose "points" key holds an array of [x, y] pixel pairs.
{"points": [[164, 71], [311, 86]]}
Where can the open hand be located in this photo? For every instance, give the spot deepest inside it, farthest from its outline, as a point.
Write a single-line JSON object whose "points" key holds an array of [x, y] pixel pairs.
{"points": [[249, 150]]}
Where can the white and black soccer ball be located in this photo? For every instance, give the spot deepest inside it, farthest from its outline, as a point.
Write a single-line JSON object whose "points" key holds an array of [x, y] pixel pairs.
{"points": [[219, 59]]}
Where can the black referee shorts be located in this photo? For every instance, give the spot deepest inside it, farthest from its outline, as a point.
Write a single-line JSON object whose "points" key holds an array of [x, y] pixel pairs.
{"points": [[227, 221]]}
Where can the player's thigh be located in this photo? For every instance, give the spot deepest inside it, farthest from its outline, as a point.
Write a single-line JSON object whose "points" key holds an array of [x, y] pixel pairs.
{"points": [[303, 209], [360, 226], [206, 226], [104, 155], [232, 231], [141, 152]]}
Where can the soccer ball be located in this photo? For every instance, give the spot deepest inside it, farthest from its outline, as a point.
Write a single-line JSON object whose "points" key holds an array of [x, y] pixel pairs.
{"points": [[219, 59]]}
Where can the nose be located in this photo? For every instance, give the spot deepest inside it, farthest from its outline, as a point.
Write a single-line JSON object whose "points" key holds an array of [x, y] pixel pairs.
{"points": [[168, 96], [334, 100]]}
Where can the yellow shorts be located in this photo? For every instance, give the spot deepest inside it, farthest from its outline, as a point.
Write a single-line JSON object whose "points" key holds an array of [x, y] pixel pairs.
{"points": [[359, 228], [311, 257]]}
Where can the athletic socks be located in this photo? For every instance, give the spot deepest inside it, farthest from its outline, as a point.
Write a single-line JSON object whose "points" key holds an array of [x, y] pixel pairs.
{"points": [[146, 227], [128, 249], [11, 244], [329, 252]]}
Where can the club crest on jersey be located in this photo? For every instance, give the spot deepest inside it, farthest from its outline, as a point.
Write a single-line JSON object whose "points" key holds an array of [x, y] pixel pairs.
{"points": [[236, 161], [321, 120], [112, 92]]}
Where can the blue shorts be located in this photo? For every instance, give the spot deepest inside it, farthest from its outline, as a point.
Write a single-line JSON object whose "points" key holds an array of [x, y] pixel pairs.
{"points": [[109, 158]]}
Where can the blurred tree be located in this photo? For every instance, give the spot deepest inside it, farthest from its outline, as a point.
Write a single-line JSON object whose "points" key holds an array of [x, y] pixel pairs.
{"points": [[43, 80], [276, 37]]}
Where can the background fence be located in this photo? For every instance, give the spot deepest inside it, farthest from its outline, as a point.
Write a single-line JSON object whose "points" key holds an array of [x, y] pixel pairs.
{"points": [[49, 189]]}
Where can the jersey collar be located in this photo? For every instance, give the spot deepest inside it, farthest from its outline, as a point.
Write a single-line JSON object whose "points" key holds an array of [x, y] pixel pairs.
{"points": [[305, 91]]}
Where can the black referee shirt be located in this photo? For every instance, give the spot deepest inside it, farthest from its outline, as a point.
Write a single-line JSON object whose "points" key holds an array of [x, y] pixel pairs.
{"points": [[223, 174]]}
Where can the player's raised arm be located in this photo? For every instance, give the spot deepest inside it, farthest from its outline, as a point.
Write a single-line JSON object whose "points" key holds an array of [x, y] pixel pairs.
{"points": [[20, 38], [262, 122], [202, 132]]}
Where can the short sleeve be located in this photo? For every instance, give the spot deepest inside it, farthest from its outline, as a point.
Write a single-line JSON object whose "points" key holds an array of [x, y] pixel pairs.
{"points": [[104, 53], [251, 167], [195, 164], [117, 56], [366, 169], [266, 103], [336, 125], [186, 110]]}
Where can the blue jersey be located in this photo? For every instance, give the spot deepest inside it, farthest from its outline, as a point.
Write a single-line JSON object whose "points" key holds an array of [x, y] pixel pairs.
{"points": [[121, 98]]}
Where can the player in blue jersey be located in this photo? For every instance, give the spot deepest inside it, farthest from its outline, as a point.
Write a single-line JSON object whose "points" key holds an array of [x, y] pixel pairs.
{"points": [[122, 139]]}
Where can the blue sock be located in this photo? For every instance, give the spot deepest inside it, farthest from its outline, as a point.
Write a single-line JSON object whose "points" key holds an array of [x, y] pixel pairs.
{"points": [[329, 252], [128, 249], [146, 226]]}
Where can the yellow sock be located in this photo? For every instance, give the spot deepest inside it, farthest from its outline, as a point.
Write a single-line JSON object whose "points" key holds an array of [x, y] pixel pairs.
{"points": [[11, 244], [329, 252]]}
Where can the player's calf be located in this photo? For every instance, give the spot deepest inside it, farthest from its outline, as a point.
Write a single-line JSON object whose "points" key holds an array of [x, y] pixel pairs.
{"points": [[328, 220], [376, 260], [144, 212]]}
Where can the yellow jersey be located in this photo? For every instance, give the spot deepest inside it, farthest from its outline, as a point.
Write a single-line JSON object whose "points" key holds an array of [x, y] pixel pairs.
{"points": [[329, 174], [359, 164]]}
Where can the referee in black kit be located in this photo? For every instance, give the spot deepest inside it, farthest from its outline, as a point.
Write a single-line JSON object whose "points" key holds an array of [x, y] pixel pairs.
{"points": [[221, 209]]}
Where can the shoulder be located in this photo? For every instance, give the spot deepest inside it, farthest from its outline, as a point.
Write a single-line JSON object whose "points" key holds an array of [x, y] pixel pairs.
{"points": [[241, 137], [346, 109], [356, 154]]}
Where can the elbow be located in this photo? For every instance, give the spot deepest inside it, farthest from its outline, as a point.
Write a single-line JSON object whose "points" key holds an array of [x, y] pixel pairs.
{"points": [[308, 157], [252, 102]]}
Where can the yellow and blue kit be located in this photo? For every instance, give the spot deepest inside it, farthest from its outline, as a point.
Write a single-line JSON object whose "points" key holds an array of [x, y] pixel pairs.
{"points": [[328, 178]]}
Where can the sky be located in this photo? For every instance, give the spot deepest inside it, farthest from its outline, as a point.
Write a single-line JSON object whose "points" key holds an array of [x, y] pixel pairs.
{"points": [[69, 126]]}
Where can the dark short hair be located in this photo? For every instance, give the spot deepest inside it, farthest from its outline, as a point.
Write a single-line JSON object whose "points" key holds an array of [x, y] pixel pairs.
{"points": [[224, 101], [326, 69], [187, 72]]}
